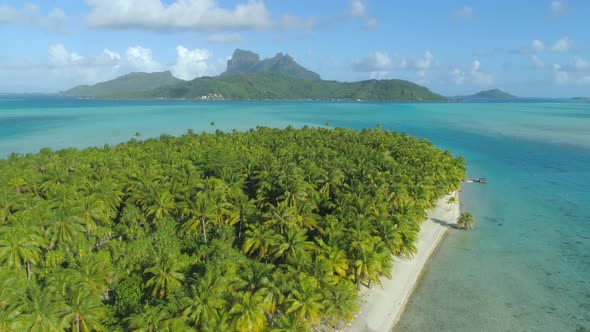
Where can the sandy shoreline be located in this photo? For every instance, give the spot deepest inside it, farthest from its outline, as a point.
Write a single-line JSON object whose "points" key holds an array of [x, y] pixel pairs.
{"points": [[383, 306]]}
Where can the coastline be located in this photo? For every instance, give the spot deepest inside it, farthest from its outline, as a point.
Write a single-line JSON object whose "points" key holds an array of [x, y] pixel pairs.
{"points": [[381, 307]]}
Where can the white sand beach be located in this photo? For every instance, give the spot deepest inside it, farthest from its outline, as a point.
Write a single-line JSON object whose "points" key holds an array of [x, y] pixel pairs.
{"points": [[382, 307]]}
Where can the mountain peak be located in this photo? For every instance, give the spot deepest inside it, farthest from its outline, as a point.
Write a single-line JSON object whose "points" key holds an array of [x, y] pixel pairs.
{"points": [[244, 61]]}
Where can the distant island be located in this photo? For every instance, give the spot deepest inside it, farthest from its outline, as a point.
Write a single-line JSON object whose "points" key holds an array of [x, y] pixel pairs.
{"points": [[249, 78], [489, 94], [581, 99]]}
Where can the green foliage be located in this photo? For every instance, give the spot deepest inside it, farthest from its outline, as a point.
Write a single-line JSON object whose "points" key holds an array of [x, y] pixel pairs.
{"points": [[268, 229], [128, 294], [244, 61], [466, 221], [491, 94], [126, 84]]}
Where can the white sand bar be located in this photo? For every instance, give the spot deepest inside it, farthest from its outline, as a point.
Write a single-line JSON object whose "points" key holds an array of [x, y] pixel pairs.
{"points": [[382, 307]]}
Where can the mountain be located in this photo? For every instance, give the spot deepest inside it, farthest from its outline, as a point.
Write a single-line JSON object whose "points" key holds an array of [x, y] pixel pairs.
{"points": [[490, 94], [127, 84], [268, 86], [248, 78], [243, 61]]}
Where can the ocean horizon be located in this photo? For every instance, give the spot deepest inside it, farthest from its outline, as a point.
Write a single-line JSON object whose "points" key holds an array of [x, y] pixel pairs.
{"points": [[526, 265]]}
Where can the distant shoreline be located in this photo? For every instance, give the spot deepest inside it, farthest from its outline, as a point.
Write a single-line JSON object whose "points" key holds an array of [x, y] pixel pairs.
{"points": [[382, 307]]}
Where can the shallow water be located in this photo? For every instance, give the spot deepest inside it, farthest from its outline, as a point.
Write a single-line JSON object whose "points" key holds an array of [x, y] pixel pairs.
{"points": [[524, 268]]}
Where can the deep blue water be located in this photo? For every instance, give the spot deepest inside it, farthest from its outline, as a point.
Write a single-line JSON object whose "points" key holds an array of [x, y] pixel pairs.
{"points": [[526, 267]]}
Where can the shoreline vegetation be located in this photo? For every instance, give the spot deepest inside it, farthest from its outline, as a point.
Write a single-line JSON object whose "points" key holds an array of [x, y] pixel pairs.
{"points": [[263, 230], [382, 306]]}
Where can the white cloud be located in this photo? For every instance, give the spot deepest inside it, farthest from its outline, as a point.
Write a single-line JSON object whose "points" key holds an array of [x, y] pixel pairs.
{"points": [[537, 61], [372, 23], [424, 63], [579, 64], [537, 45], [357, 8], [221, 38], [7, 14], [463, 14], [201, 15], [474, 75], [378, 61], [480, 77], [458, 76], [558, 7], [142, 59], [379, 64], [562, 45], [30, 15], [561, 76], [191, 63]]}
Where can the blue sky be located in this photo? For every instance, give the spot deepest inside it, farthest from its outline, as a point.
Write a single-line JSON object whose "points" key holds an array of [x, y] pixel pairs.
{"points": [[529, 47]]}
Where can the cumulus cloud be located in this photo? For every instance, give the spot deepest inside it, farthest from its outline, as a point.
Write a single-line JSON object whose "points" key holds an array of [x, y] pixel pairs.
{"points": [[200, 15], [474, 75], [562, 45], [142, 59], [537, 61], [577, 70], [357, 8], [379, 64], [479, 76], [463, 14], [30, 15], [579, 64], [561, 76], [458, 76], [221, 38], [558, 7], [378, 61], [191, 63], [537, 45]]}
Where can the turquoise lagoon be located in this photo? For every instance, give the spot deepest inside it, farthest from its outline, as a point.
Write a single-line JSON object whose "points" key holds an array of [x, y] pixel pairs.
{"points": [[526, 267]]}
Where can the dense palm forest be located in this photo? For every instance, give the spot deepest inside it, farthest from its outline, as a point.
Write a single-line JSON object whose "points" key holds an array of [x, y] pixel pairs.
{"points": [[270, 229]]}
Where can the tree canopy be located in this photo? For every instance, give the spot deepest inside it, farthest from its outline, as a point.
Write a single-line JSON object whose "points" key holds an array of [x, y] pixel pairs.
{"points": [[264, 230]]}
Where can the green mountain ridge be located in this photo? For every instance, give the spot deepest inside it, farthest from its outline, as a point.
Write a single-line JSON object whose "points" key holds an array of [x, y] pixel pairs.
{"points": [[123, 85], [490, 94], [248, 78]]}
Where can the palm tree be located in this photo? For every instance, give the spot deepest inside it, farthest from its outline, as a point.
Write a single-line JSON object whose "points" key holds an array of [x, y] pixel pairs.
{"points": [[202, 212], [451, 200], [341, 303], [160, 206], [165, 276], [466, 221], [289, 324], [249, 313], [42, 312], [260, 239], [150, 319], [85, 311], [65, 228], [20, 246], [306, 301], [206, 300]]}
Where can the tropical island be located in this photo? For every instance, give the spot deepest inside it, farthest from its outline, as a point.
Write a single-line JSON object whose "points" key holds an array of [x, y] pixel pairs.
{"points": [[269, 229], [490, 94], [249, 78]]}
